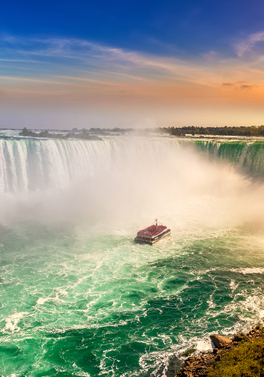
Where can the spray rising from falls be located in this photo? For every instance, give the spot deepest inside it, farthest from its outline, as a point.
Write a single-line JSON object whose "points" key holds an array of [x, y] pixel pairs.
{"points": [[27, 165], [69, 178], [124, 178]]}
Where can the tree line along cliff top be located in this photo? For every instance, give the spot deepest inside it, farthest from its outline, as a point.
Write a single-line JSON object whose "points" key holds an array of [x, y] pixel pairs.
{"points": [[70, 135], [175, 131], [220, 131]]}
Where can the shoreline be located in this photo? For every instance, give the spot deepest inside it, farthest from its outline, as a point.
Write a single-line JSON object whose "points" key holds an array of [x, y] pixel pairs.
{"points": [[242, 355]]}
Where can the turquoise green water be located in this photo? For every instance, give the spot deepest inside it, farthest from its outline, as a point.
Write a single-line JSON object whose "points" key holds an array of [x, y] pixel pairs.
{"points": [[79, 298], [74, 303]]}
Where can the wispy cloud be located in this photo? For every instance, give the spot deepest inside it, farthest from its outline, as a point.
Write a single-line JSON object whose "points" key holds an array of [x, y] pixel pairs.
{"points": [[81, 77], [247, 87], [115, 63], [46, 81], [239, 85], [98, 70], [228, 84], [247, 45]]}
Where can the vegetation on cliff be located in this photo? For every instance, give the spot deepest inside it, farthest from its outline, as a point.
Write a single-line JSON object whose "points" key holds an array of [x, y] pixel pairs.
{"points": [[246, 359], [241, 357], [221, 131]]}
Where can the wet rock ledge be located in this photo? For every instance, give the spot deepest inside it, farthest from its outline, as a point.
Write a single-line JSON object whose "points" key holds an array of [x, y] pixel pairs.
{"points": [[241, 356]]}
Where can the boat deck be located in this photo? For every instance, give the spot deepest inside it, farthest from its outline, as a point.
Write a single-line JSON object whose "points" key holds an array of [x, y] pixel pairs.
{"points": [[152, 234]]}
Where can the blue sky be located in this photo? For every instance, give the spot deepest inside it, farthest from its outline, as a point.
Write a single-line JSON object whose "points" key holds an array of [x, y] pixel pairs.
{"points": [[131, 63], [160, 27]]}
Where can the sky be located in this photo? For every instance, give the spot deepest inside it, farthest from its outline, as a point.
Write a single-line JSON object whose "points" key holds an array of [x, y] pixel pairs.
{"points": [[83, 63]]}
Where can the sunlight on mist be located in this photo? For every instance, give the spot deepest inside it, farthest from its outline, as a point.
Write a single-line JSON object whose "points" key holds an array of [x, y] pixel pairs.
{"points": [[129, 182]]}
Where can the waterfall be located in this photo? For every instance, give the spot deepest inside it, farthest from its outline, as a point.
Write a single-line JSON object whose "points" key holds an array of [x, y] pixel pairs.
{"points": [[34, 164], [27, 165], [249, 156], [93, 178], [122, 178]]}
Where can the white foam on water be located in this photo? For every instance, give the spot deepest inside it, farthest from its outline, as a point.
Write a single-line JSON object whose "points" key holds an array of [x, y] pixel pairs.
{"points": [[254, 304], [58, 292], [210, 302], [204, 345], [78, 372], [233, 285], [250, 311], [12, 321], [41, 301], [158, 362], [248, 270], [62, 292]]}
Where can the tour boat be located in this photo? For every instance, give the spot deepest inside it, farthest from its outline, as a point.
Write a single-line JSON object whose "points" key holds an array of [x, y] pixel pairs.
{"points": [[152, 234]]}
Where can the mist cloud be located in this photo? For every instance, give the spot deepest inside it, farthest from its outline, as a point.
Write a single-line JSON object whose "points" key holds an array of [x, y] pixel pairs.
{"points": [[136, 181]]}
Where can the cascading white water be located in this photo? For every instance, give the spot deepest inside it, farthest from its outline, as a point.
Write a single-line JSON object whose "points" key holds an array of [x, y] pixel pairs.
{"points": [[126, 177], [28, 164], [123, 179], [95, 177], [246, 154]]}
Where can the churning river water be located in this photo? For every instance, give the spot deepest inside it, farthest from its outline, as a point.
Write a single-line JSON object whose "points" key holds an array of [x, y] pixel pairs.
{"points": [[79, 298]]}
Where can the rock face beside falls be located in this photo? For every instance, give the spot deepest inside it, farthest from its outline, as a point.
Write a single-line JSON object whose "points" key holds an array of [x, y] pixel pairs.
{"points": [[241, 356]]}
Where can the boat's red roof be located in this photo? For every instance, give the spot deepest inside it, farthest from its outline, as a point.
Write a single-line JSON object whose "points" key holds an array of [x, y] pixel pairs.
{"points": [[152, 230]]}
